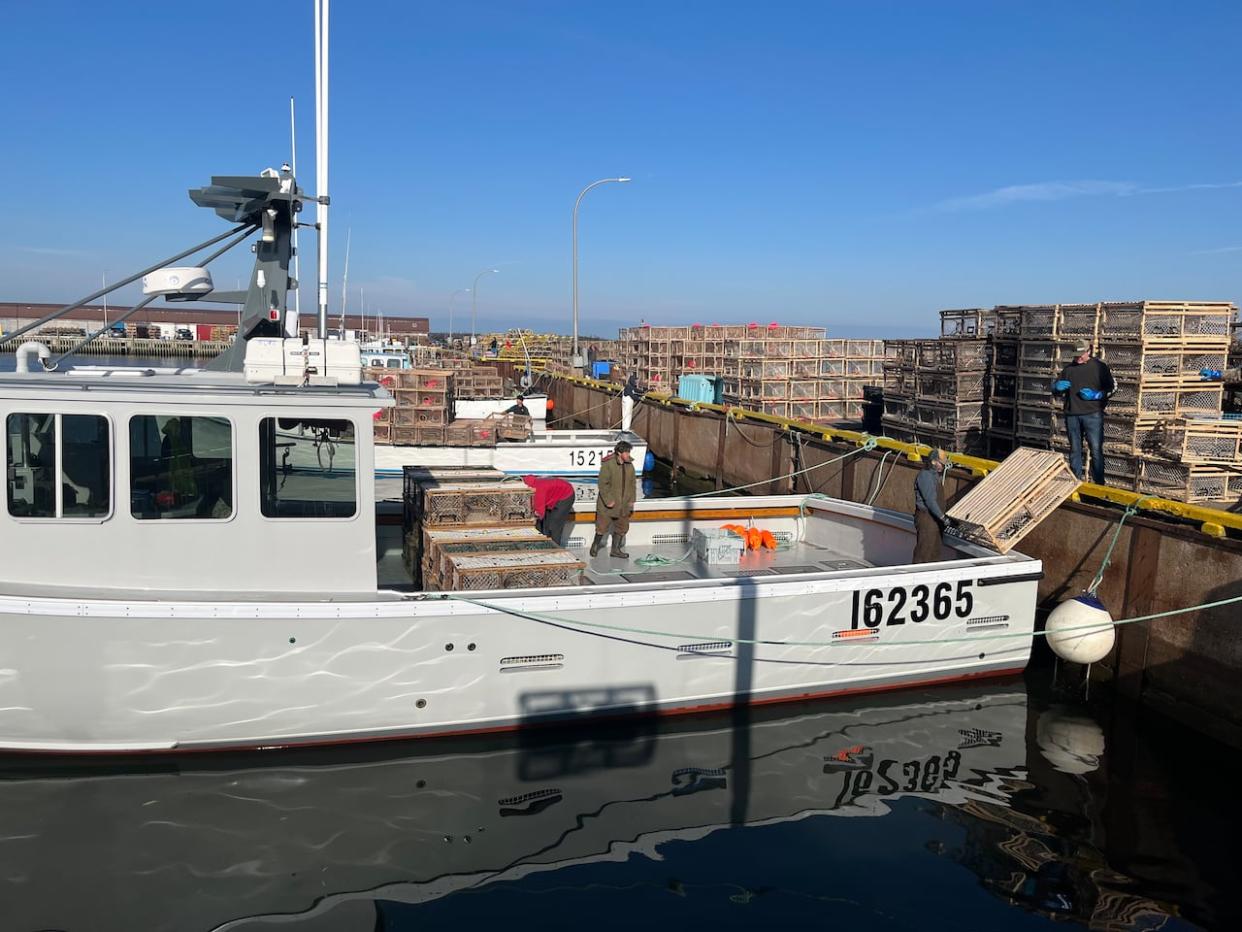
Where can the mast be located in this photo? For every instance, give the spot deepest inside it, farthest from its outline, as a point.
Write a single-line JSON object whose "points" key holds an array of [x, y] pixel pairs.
{"points": [[349, 235], [291, 325], [321, 155]]}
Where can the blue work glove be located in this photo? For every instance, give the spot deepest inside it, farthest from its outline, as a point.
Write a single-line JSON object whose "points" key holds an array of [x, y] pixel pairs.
{"points": [[1061, 385], [1211, 375], [1090, 394]]}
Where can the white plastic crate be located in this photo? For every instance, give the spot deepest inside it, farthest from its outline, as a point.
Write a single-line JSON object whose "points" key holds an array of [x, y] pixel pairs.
{"points": [[717, 546]]}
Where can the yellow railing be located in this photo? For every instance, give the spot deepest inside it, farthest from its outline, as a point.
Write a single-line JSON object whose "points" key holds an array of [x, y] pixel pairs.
{"points": [[1211, 521]]}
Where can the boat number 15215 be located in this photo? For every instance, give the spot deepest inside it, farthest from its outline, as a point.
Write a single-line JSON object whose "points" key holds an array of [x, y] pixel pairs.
{"points": [[584, 457], [897, 606]]}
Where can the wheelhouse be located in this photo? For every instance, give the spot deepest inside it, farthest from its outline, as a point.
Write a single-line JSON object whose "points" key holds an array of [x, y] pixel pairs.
{"points": [[164, 478]]}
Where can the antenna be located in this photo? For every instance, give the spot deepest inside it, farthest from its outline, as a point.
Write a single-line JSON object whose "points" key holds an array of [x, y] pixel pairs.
{"points": [[349, 235], [297, 265], [321, 155]]}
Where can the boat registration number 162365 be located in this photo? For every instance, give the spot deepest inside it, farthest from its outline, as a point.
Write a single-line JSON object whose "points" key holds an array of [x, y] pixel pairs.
{"points": [[898, 605], [584, 457]]}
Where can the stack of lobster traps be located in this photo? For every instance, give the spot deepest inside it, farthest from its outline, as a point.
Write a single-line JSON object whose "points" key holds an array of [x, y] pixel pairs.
{"points": [[469, 529], [478, 382], [936, 391], [424, 405]]}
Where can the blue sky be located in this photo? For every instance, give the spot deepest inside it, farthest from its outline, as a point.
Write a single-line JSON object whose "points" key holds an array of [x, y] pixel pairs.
{"points": [[855, 165]]}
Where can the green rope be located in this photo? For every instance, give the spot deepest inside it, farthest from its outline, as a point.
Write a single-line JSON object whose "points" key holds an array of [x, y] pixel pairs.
{"points": [[868, 444], [682, 635], [1131, 509]]}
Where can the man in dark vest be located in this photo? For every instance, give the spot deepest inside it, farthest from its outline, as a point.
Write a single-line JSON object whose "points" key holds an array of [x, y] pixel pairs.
{"points": [[929, 517], [1085, 385]]}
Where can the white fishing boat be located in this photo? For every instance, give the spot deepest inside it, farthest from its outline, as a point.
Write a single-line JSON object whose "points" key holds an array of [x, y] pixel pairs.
{"points": [[293, 840], [171, 582], [545, 453]]}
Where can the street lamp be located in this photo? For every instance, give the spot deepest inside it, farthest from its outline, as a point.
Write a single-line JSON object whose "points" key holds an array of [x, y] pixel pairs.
{"points": [[593, 184], [474, 300], [452, 298]]}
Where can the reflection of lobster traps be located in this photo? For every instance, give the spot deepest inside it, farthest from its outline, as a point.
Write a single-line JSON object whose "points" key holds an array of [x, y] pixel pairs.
{"points": [[1013, 499], [513, 571], [500, 503]]}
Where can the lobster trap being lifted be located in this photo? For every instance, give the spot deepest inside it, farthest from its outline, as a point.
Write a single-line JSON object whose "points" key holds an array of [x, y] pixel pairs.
{"points": [[1014, 498]]}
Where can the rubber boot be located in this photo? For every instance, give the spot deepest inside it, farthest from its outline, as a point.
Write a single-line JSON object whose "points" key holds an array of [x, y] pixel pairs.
{"points": [[618, 541], [596, 544]]}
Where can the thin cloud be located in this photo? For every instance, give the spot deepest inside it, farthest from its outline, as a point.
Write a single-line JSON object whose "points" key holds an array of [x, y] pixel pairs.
{"points": [[1063, 190], [1044, 191], [52, 251], [1217, 251]]}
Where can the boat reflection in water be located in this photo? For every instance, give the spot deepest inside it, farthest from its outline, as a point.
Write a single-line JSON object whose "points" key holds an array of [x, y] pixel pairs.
{"points": [[365, 839]]}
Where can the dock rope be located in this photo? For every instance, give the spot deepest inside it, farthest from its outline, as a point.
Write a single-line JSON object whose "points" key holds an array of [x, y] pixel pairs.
{"points": [[1131, 509], [869, 444], [681, 636]]}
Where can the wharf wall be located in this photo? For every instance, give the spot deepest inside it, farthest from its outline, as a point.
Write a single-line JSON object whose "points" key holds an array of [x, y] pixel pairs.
{"points": [[198, 349], [1189, 665]]}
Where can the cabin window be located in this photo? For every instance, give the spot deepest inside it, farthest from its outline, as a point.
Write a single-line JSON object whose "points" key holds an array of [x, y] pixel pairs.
{"points": [[180, 468], [308, 468], [394, 363], [59, 466]]}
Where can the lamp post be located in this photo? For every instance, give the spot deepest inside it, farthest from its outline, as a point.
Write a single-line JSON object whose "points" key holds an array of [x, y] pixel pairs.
{"points": [[474, 300], [452, 299], [593, 184]]}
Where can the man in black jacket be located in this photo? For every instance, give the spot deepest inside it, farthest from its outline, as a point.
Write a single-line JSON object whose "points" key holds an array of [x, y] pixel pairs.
{"points": [[1085, 385]]}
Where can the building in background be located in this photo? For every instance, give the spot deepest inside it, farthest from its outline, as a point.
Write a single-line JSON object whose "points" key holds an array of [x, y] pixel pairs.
{"points": [[187, 321]]}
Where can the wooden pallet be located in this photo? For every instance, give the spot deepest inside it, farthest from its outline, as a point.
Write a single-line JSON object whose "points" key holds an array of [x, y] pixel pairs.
{"points": [[1011, 501]]}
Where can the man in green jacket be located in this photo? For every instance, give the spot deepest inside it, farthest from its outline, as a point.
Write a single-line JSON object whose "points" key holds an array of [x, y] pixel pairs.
{"points": [[615, 502]]}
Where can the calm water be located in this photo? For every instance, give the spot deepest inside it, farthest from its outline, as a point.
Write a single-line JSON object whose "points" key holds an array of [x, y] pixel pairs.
{"points": [[1011, 805], [1005, 806]]}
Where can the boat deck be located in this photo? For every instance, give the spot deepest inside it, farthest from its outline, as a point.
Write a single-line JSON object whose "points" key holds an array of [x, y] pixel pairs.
{"points": [[683, 566]]}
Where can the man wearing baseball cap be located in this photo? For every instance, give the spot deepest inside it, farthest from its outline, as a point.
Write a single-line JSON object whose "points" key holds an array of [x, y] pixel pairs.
{"points": [[1085, 385]]}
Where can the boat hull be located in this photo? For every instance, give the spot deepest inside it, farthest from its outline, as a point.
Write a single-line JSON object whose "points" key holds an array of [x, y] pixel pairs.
{"points": [[119, 677], [553, 453]]}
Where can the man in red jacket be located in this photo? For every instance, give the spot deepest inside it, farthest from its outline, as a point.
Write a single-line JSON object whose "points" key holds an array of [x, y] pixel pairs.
{"points": [[554, 503]]}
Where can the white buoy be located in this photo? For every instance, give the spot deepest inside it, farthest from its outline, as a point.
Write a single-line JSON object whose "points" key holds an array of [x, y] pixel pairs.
{"points": [[1080, 630], [1071, 742]]}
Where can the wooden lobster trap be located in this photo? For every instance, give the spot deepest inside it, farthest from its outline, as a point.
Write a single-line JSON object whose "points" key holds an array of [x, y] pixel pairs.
{"points": [[967, 323], [513, 427], [1013, 499], [1188, 482], [498, 503], [512, 571], [954, 355], [431, 380], [1167, 321], [1144, 398], [950, 386], [1206, 440], [1040, 322], [436, 563]]}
